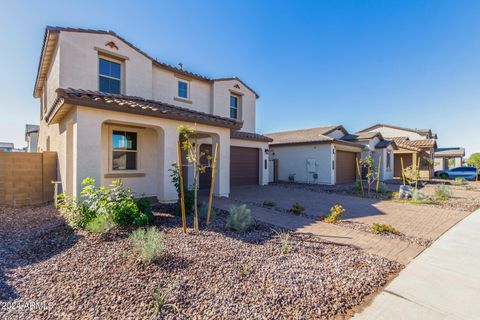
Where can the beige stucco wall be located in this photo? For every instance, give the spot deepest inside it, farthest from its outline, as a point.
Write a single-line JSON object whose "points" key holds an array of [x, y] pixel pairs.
{"points": [[221, 102], [293, 160], [158, 150], [79, 63]]}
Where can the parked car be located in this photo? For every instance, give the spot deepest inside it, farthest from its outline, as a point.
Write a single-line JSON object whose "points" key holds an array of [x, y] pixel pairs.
{"points": [[459, 172]]}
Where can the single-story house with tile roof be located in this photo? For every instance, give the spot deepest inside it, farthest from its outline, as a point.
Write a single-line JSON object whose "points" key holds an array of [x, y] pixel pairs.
{"points": [[316, 155], [112, 111], [390, 131], [447, 158], [410, 151], [376, 146]]}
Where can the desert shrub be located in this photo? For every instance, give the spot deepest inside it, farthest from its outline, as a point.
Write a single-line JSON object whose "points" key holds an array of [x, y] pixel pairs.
{"points": [[114, 202], [286, 243], [296, 208], [418, 195], [148, 244], [240, 218], [336, 214], [357, 186], [382, 188], [443, 192], [269, 204], [100, 224], [161, 301], [203, 212], [384, 228], [459, 181]]}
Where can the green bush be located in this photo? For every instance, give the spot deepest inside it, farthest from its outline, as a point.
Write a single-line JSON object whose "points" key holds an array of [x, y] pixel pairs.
{"points": [[459, 181], [384, 228], [240, 218], [382, 188], [148, 244], [443, 192], [296, 208], [114, 202], [357, 186], [203, 212], [100, 224]]}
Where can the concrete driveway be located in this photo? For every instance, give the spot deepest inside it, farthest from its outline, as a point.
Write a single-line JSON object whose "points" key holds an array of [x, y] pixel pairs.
{"points": [[412, 220]]}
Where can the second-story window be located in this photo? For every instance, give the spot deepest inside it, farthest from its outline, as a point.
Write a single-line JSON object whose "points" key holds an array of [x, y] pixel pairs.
{"points": [[182, 89], [109, 76], [233, 107]]}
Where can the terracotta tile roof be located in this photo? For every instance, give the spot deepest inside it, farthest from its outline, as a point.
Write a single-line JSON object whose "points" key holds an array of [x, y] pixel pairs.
{"points": [[450, 152], [249, 136], [137, 105], [425, 143], [416, 145], [50, 30]]}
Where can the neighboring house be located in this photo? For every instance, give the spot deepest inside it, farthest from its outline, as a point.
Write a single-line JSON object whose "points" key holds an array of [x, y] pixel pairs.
{"points": [[111, 111], [317, 155], [31, 137], [413, 144], [389, 131], [377, 146], [7, 146], [447, 158]]}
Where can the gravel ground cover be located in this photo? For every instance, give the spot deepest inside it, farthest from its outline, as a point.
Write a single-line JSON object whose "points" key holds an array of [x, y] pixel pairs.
{"points": [[214, 274]]}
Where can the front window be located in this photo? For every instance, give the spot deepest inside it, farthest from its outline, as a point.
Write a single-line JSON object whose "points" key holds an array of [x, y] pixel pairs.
{"points": [[234, 107], [389, 155], [183, 89], [124, 150], [109, 76]]}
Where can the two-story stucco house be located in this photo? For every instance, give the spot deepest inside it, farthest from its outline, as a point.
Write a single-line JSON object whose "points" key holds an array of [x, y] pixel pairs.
{"points": [[110, 111]]}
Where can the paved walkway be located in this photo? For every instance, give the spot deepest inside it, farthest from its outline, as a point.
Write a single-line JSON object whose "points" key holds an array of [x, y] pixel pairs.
{"points": [[441, 283], [393, 249], [418, 221]]}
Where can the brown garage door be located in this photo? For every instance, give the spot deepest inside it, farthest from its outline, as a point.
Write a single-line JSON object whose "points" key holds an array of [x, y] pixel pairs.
{"points": [[397, 163], [244, 166], [345, 167]]}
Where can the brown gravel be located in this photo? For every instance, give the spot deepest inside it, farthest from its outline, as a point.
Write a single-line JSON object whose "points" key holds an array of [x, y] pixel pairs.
{"points": [[215, 274], [368, 228]]}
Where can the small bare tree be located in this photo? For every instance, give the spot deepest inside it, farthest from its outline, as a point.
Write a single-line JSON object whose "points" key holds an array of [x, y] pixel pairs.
{"points": [[194, 157], [369, 164]]}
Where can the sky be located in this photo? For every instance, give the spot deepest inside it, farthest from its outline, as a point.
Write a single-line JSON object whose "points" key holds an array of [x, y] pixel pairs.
{"points": [[414, 64]]}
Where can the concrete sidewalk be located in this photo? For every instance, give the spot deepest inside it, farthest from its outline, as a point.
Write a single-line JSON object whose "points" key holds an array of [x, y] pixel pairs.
{"points": [[443, 282]]}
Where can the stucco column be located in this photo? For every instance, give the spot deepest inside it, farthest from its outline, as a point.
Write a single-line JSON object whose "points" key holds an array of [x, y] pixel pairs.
{"points": [[222, 176], [88, 152], [168, 150]]}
